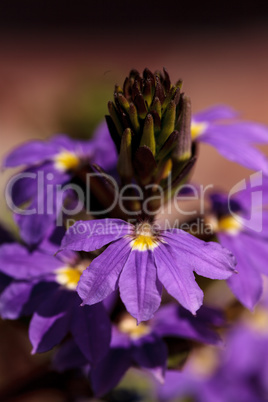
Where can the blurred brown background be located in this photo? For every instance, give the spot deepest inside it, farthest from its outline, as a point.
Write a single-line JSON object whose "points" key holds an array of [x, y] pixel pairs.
{"points": [[59, 62]]}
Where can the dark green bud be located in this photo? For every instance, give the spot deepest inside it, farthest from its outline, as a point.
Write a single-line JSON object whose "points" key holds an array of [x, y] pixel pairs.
{"points": [[148, 138], [158, 116], [124, 165]]}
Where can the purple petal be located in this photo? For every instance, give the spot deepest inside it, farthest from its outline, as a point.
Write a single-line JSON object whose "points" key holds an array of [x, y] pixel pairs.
{"points": [[100, 279], [242, 131], [150, 352], [215, 113], [92, 235], [174, 320], [45, 206], [178, 280], [13, 299], [30, 183], [247, 284], [62, 142], [30, 153], [208, 259], [51, 323], [265, 190], [180, 386], [258, 220], [33, 228], [239, 152], [68, 357], [249, 205], [139, 286], [120, 339], [91, 329], [107, 373], [23, 187], [17, 262], [110, 301], [34, 152], [51, 243], [245, 350], [38, 295], [257, 251]]}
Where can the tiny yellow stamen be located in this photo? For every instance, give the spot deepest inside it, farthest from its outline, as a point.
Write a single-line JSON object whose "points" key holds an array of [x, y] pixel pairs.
{"points": [[229, 224], [69, 276], [143, 243], [66, 160], [129, 326], [144, 239], [197, 129]]}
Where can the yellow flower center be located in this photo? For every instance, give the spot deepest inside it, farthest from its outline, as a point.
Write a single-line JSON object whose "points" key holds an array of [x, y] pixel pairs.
{"points": [[229, 224], [145, 238], [128, 325], [66, 160], [197, 129], [69, 276]]}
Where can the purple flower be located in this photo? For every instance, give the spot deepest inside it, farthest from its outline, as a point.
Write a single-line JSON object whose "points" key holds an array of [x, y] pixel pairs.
{"points": [[49, 164], [44, 286], [233, 140], [242, 227], [65, 154], [143, 345], [140, 260], [243, 369], [183, 385], [68, 356], [240, 373]]}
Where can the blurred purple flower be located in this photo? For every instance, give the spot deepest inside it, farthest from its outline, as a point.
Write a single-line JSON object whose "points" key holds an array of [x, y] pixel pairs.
{"points": [[51, 163], [243, 228], [241, 374], [44, 286], [233, 140], [143, 345]]}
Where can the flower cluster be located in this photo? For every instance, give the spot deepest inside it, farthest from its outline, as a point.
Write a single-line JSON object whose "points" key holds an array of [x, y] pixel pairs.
{"points": [[103, 282]]}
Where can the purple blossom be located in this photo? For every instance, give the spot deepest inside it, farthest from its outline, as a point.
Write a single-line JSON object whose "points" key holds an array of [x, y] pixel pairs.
{"points": [[142, 346], [44, 286], [232, 139], [235, 230], [49, 164], [139, 261], [241, 372]]}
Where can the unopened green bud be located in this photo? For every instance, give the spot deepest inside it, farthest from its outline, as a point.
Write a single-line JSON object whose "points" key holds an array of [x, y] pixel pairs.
{"points": [[115, 118], [155, 118], [134, 118], [148, 134], [124, 165], [123, 102], [168, 124], [182, 151]]}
